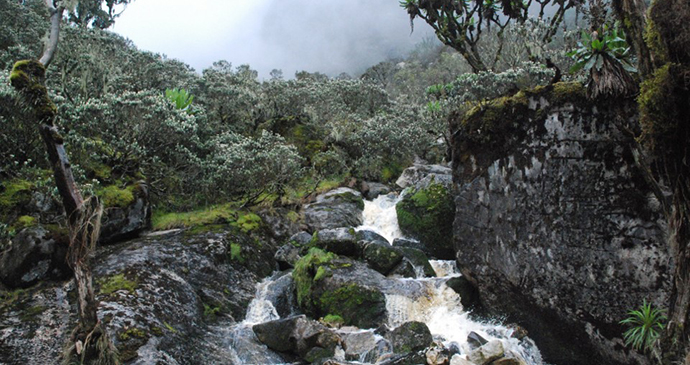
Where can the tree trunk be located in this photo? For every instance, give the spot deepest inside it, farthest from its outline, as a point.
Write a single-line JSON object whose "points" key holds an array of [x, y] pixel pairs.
{"points": [[90, 343], [633, 15]]}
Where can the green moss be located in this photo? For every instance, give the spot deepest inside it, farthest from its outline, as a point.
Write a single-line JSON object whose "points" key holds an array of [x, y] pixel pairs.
{"points": [[113, 196], [133, 332], [305, 272], [220, 214], [248, 222], [293, 216], [349, 197], [169, 327], [157, 331], [659, 101], [655, 42], [322, 272], [236, 252], [14, 193], [114, 283], [428, 216], [24, 222], [357, 305], [333, 320], [211, 311]]}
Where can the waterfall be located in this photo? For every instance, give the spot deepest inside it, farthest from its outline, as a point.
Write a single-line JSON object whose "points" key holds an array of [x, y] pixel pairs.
{"points": [[379, 215]]}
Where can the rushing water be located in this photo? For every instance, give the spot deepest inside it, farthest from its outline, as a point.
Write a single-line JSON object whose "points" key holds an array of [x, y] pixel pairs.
{"points": [[427, 300]]}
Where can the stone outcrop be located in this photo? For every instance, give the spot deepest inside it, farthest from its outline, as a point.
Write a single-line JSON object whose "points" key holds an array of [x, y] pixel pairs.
{"points": [[337, 208], [554, 222], [127, 221]]}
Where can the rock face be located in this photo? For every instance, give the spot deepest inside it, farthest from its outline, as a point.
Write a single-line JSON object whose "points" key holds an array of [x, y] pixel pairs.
{"points": [[34, 255], [337, 208], [163, 299], [120, 223], [415, 174], [309, 339], [554, 222]]}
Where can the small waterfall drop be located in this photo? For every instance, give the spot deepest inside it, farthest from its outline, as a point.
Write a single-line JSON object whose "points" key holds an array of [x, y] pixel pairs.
{"points": [[380, 216]]}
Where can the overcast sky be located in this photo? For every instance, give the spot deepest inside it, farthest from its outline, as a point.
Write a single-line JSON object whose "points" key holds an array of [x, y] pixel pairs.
{"points": [[329, 36]]}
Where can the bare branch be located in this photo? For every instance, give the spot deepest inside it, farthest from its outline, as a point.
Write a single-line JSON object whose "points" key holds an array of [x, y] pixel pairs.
{"points": [[54, 32]]}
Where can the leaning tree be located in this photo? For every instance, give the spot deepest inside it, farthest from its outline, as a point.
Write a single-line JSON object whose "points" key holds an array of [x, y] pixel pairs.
{"points": [[89, 342]]}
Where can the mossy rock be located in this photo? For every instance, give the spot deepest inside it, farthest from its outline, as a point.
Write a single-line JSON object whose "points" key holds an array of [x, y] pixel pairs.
{"points": [[304, 274], [14, 195], [427, 215], [410, 337], [113, 196], [382, 257], [418, 259], [358, 305]]}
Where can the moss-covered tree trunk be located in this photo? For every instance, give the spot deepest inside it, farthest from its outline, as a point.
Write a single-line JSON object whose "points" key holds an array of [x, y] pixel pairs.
{"points": [[90, 343]]}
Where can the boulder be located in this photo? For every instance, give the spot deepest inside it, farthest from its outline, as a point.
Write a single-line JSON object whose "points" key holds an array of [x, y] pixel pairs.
{"points": [[126, 218], [427, 215], [309, 339], [437, 354], [404, 269], [300, 239], [357, 343], [419, 260], [406, 242], [413, 175], [491, 351], [475, 340], [342, 241], [382, 257], [410, 337], [35, 254], [372, 190], [337, 208], [370, 236], [286, 256], [469, 295], [458, 359], [279, 223]]}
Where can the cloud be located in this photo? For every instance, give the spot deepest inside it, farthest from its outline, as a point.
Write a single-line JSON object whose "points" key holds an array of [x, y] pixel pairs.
{"points": [[328, 36]]}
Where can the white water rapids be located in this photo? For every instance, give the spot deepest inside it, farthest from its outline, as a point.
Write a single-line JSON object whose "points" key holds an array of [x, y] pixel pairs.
{"points": [[432, 302]]}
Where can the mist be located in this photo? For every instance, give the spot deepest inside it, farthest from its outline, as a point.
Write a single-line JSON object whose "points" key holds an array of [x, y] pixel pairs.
{"points": [[330, 37]]}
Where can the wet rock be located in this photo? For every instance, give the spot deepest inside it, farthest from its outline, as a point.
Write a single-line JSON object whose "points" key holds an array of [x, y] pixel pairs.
{"points": [[35, 254], [281, 293], [406, 242], [492, 350], [372, 190], [382, 257], [286, 256], [382, 352], [508, 361], [337, 208], [437, 354], [458, 359], [328, 284], [309, 339], [121, 223], [410, 337], [419, 260], [300, 239], [279, 223], [475, 340], [519, 332], [371, 236], [469, 295], [413, 175], [404, 269], [357, 343], [342, 241], [427, 215]]}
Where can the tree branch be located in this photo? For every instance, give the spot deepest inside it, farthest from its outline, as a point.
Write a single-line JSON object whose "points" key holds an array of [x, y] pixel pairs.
{"points": [[54, 32]]}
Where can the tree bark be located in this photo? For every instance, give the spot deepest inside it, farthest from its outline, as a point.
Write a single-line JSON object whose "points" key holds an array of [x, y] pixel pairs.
{"points": [[633, 15]]}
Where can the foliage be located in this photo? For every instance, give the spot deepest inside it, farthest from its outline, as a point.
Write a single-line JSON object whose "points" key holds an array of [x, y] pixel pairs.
{"points": [[461, 24], [594, 49], [646, 325], [180, 97], [225, 213]]}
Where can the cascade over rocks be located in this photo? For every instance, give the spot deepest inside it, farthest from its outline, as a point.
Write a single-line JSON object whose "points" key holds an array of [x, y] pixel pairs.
{"points": [[308, 339], [337, 208], [554, 222]]}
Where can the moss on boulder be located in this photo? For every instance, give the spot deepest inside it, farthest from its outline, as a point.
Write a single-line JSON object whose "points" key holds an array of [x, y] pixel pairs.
{"points": [[428, 216]]}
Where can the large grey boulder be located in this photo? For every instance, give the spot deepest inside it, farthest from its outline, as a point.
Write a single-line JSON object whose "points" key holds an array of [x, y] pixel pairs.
{"points": [[410, 337], [35, 254], [337, 208]]}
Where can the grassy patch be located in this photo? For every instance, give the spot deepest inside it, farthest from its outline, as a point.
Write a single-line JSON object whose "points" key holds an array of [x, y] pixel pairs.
{"points": [[236, 252], [113, 196], [219, 214]]}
